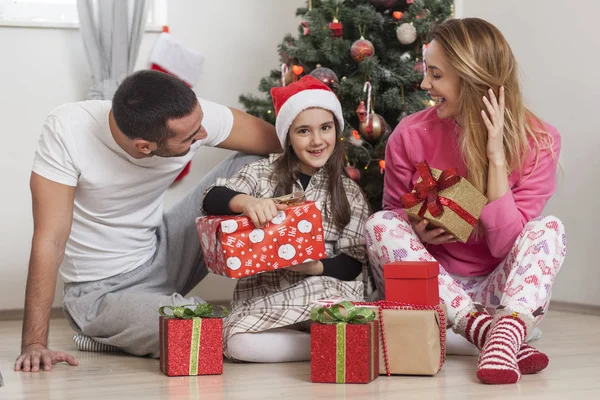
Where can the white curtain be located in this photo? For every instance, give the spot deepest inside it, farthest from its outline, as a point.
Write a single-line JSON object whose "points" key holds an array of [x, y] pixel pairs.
{"points": [[112, 33]]}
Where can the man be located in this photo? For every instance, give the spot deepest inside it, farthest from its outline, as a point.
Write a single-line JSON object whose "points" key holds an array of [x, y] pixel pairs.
{"points": [[99, 177]]}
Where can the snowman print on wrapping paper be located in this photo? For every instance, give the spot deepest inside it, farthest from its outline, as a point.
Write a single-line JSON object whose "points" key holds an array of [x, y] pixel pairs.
{"points": [[234, 263], [279, 218], [229, 226], [256, 236], [286, 252]]}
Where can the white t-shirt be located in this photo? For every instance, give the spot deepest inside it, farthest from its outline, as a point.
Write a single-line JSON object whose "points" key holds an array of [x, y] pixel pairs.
{"points": [[119, 199]]}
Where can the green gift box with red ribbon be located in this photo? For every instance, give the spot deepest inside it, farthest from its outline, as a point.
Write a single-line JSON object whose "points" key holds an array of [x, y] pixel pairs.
{"points": [[191, 339], [446, 200], [344, 344]]}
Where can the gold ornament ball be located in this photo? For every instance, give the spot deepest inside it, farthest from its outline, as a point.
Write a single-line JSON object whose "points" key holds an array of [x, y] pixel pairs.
{"points": [[376, 127]]}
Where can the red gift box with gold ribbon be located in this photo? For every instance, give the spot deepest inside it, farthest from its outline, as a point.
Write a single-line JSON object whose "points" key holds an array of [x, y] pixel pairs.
{"points": [[235, 248], [446, 200], [344, 344], [191, 340]]}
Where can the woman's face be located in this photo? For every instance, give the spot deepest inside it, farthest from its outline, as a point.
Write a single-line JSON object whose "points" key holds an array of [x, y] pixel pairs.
{"points": [[441, 81]]}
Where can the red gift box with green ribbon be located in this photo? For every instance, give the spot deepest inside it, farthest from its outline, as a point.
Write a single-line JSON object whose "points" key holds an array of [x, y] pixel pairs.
{"points": [[191, 340], [344, 344]]}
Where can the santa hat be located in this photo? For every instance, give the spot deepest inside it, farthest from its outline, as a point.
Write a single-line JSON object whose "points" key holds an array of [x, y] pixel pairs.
{"points": [[291, 100]]}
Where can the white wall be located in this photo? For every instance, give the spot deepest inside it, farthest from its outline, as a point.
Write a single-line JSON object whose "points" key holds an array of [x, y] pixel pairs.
{"points": [[555, 41], [557, 45], [43, 68]]}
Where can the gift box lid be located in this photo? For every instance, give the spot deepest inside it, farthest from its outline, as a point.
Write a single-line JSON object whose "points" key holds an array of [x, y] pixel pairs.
{"points": [[411, 270]]}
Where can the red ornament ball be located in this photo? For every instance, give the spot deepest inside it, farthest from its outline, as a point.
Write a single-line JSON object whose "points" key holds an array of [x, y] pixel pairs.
{"points": [[361, 50], [419, 67], [327, 76]]}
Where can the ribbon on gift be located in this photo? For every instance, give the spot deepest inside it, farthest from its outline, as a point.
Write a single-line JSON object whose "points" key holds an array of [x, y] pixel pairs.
{"points": [[196, 314], [204, 310], [342, 314], [427, 191]]}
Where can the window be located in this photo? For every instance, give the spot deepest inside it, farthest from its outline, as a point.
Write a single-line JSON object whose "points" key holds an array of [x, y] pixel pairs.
{"points": [[63, 13]]}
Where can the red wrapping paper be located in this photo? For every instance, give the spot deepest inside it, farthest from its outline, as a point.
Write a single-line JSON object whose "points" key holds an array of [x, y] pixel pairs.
{"points": [[361, 350], [176, 339], [233, 247]]}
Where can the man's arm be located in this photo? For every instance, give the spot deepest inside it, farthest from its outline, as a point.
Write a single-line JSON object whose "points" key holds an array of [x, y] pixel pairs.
{"points": [[251, 135], [52, 219]]}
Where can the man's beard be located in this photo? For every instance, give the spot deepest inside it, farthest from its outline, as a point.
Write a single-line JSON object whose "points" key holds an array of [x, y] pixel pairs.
{"points": [[166, 153]]}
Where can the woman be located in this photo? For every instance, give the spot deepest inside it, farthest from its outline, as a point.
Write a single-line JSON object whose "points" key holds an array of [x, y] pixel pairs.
{"points": [[480, 126]]}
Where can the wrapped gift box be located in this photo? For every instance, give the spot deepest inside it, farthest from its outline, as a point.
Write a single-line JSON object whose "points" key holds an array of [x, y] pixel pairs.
{"points": [[446, 200], [413, 338], [345, 352], [412, 282], [235, 248], [190, 345]]}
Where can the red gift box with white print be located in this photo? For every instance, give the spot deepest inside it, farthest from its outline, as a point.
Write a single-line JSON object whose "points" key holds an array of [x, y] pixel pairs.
{"points": [[235, 248]]}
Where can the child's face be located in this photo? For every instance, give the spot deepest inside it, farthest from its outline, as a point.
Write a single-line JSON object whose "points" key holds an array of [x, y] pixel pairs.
{"points": [[313, 138]]}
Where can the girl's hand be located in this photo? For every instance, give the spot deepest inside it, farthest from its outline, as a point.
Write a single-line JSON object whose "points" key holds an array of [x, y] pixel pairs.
{"points": [[309, 268], [494, 122], [261, 211], [431, 236]]}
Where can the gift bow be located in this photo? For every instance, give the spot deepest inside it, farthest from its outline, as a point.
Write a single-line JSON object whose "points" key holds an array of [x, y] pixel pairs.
{"points": [[204, 310], [343, 312], [427, 191]]}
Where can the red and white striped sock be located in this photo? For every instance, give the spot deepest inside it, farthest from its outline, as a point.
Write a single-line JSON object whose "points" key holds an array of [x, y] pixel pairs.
{"points": [[531, 360], [477, 328], [498, 359]]}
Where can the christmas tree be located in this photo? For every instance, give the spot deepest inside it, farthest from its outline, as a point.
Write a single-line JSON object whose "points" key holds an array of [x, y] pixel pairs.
{"points": [[370, 53]]}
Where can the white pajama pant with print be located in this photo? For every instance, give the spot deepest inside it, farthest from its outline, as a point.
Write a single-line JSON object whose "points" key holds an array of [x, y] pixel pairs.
{"points": [[521, 283]]}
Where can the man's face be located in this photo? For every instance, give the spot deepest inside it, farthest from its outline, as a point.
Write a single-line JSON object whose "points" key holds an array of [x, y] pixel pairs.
{"points": [[184, 132]]}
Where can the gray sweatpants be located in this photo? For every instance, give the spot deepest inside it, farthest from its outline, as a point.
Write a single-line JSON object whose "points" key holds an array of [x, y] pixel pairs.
{"points": [[123, 310]]}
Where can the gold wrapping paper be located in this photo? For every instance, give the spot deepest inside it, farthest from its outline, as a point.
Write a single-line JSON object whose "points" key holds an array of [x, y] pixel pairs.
{"points": [[466, 196]]}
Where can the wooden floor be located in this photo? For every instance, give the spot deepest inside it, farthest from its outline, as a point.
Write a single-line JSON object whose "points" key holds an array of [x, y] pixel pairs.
{"points": [[572, 341]]}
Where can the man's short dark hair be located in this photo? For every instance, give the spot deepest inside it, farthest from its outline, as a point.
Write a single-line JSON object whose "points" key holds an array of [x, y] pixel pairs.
{"points": [[146, 100]]}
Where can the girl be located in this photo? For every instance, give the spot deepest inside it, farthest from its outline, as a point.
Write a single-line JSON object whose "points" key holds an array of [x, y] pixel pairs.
{"points": [[271, 311], [481, 126]]}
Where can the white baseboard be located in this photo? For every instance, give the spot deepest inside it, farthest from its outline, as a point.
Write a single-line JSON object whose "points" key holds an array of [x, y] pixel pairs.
{"points": [[12, 315], [16, 315], [575, 307]]}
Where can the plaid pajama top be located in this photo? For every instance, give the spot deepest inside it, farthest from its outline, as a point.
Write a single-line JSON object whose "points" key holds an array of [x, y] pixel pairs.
{"points": [[281, 298]]}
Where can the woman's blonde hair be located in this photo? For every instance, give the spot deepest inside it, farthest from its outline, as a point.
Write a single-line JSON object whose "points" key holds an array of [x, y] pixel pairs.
{"points": [[482, 58]]}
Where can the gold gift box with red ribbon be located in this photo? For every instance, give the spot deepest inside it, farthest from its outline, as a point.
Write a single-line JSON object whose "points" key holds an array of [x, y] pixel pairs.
{"points": [[446, 200]]}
